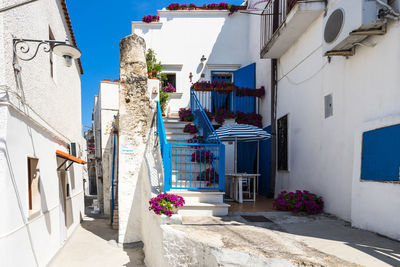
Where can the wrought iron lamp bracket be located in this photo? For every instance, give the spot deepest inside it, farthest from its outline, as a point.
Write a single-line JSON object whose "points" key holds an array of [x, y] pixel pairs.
{"points": [[22, 47]]}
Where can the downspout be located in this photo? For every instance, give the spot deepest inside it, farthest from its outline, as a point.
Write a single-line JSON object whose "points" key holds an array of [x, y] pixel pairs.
{"points": [[112, 180], [274, 92]]}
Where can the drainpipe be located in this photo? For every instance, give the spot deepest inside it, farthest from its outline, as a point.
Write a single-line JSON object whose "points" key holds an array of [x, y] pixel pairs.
{"points": [[274, 91], [112, 180]]}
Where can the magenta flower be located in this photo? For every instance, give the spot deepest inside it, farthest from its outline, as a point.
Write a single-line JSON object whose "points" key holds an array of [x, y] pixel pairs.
{"points": [[164, 204], [150, 18], [299, 201]]}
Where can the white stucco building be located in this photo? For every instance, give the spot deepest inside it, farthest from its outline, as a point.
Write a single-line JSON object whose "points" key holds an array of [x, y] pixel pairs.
{"points": [[329, 108], [182, 37], [40, 127], [323, 109], [104, 113]]}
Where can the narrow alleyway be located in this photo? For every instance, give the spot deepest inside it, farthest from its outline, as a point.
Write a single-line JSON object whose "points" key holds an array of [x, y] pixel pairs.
{"points": [[94, 244]]}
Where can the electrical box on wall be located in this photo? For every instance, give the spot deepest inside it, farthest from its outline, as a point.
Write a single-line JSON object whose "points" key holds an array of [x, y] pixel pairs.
{"points": [[349, 22], [328, 106]]}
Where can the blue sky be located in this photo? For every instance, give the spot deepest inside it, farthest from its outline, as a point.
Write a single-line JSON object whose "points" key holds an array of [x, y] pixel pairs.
{"points": [[99, 26]]}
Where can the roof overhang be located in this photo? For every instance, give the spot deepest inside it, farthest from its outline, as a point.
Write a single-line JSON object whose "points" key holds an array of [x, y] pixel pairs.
{"points": [[68, 157]]}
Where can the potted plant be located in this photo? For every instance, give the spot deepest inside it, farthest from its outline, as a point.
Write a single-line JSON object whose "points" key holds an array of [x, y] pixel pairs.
{"points": [[166, 204], [222, 86], [202, 86]]}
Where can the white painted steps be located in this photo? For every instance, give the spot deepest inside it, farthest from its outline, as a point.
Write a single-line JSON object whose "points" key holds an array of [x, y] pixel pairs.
{"points": [[198, 202], [202, 203]]}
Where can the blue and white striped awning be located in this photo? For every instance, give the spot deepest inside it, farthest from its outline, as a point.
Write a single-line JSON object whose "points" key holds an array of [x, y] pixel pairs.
{"points": [[240, 132]]}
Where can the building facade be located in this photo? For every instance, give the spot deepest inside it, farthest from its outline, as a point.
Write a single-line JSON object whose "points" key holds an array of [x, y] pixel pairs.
{"points": [[104, 113], [337, 116], [333, 118], [41, 174]]}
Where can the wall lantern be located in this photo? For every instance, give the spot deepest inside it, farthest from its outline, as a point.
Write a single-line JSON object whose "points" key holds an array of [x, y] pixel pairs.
{"points": [[202, 59], [22, 49]]}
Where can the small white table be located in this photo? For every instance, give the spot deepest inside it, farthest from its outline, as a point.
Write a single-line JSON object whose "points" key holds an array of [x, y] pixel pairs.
{"points": [[236, 185]]}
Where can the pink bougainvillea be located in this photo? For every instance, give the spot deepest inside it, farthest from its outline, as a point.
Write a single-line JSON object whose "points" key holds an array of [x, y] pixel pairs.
{"points": [[150, 18], [190, 128], [299, 201], [185, 114], [165, 204]]}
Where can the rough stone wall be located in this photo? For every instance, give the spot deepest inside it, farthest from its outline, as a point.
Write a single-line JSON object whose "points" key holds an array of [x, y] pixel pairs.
{"points": [[135, 116]]}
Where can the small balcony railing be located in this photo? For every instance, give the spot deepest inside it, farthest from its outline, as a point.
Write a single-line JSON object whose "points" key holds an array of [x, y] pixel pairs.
{"points": [[273, 16]]}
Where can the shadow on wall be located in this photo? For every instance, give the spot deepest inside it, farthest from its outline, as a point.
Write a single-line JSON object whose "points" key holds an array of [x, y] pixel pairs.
{"points": [[4, 150], [230, 47], [44, 207]]}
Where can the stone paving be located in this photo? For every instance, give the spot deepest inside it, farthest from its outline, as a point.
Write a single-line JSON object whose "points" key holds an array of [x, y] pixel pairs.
{"points": [[94, 244], [319, 240]]}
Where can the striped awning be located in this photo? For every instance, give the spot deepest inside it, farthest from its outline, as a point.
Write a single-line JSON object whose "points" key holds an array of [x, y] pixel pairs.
{"points": [[240, 132]]}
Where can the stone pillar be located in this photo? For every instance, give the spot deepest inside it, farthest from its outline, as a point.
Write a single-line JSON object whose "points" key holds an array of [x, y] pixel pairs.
{"points": [[135, 116]]}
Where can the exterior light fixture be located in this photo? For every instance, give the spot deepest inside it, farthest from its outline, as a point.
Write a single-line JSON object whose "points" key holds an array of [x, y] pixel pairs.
{"points": [[68, 52], [203, 58], [22, 49]]}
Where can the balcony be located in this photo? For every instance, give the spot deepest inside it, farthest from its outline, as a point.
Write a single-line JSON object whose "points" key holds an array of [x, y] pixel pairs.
{"points": [[284, 21]]}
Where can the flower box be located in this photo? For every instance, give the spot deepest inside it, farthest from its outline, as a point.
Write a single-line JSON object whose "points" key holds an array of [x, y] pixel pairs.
{"points": [[226, 88], [202, 86]]}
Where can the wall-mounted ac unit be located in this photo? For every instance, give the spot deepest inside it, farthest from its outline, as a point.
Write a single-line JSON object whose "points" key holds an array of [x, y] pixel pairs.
{"points": [[349, 22]]}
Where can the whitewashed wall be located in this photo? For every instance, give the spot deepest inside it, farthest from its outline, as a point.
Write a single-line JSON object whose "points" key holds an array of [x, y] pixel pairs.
{"points": [[182, 37], [325, 154], [263, 66], [109, 106], [50, 121]]}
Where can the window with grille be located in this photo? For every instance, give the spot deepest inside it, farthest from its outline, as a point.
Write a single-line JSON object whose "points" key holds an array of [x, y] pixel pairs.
{"points": [[283, 143]]}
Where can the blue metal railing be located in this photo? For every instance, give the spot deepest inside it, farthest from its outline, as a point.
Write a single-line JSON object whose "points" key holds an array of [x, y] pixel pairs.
{"points": [[200, 118], [192, 166], [213, 100], [166, 152]]}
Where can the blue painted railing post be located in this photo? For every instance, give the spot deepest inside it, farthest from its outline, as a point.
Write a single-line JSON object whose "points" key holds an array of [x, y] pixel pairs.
{"points": [[167, 160], [221, 167]]}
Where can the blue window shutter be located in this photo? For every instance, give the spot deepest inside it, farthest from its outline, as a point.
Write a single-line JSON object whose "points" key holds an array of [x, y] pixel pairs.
{"points": [[245, 78], [381, 154]]}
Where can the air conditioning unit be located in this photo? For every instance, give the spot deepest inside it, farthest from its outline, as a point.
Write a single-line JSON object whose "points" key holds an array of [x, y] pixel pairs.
{"points": [[349, 22]]}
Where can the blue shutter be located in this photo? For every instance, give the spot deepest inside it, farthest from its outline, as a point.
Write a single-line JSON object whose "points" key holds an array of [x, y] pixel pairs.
{"points": [[245, 78], [381, 154]]}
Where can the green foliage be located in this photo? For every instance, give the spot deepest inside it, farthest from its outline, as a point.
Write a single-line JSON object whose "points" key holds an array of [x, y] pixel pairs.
{"points": [[154, 65], [164, 97]]}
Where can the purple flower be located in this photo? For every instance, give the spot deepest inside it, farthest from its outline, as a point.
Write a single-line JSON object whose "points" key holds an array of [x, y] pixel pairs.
{"points": [[299, 201], [150, 18], [190, 128], [169, 89]]}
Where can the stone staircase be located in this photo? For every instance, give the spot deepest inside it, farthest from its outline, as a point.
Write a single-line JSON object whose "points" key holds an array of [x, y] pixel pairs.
{"points": [[198, 202]]}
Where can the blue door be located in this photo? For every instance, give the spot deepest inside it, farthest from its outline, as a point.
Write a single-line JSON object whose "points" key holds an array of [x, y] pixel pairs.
{"points": [[265, 165], [381, 154], [247, 151], [245, 78], [221, 100]]}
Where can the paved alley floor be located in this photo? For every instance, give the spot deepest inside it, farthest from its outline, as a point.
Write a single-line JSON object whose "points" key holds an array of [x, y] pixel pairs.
{"points": [[94, 244], [319, 240]]}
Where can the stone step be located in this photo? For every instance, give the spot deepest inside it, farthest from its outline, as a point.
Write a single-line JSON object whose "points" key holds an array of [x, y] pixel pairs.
{"points": [[194, 197], [194, 184], [171, 131], [175, 124], [204, 209], [171, 119]]}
